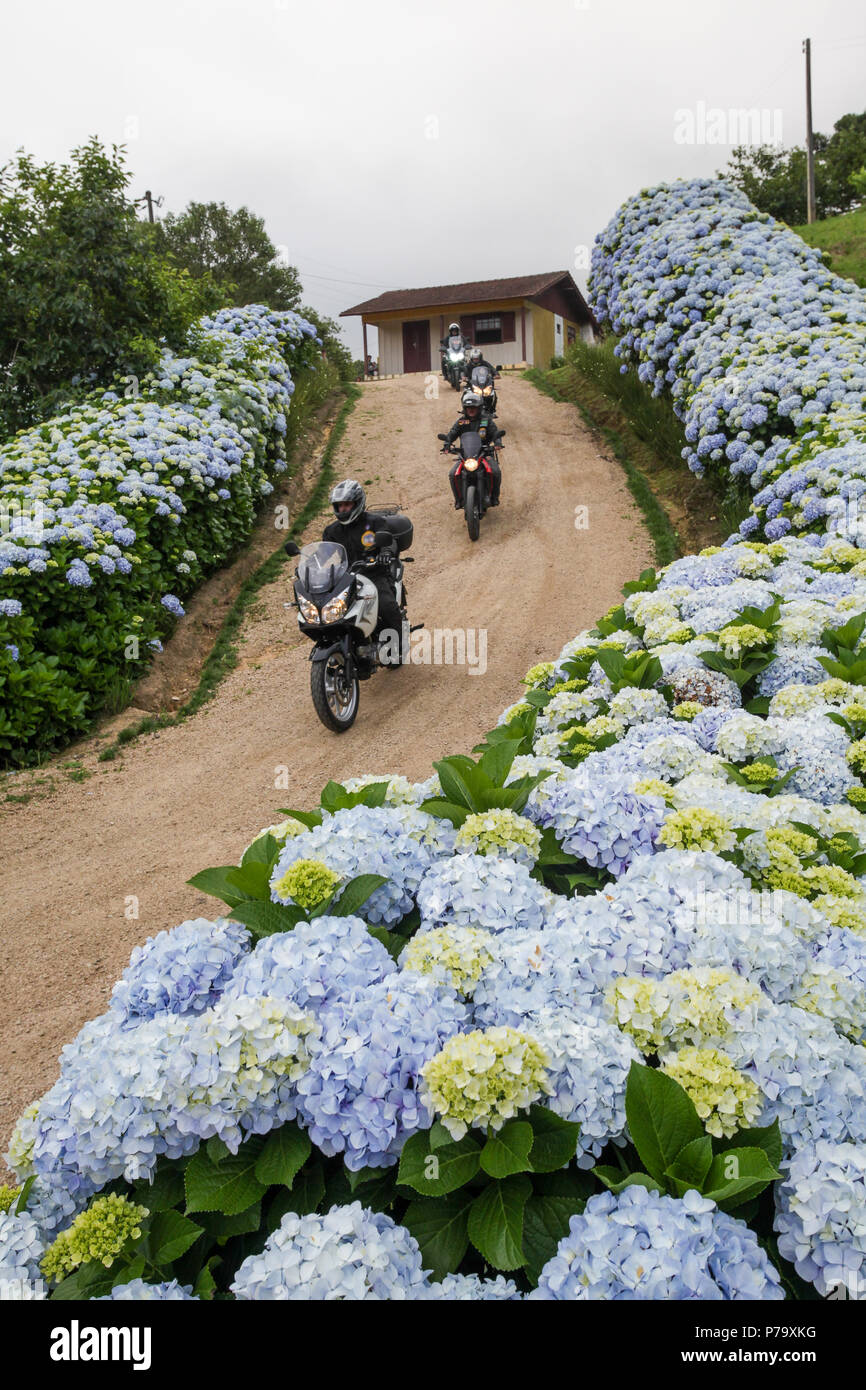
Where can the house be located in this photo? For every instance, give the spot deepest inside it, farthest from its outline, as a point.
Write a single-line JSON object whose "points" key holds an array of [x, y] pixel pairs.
{"points": [[528, 319]]}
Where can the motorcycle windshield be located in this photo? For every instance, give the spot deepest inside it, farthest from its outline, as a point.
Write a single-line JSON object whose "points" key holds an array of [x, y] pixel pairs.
{"points": [[321, 565], [455, 344], [481, 376], [471, 444]]}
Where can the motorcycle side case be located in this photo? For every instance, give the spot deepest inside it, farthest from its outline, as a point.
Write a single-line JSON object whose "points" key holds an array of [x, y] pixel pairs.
{"points": [[401, 529]]}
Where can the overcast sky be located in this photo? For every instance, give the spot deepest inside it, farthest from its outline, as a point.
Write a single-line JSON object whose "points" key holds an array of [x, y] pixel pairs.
{"points": [[389, 144]]}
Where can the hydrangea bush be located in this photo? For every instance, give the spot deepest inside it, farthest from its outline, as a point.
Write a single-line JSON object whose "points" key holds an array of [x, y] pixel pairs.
{"points": [[423, 1052], [113, 511]]}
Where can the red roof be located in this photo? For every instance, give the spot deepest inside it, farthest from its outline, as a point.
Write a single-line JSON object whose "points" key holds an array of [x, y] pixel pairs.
{"points": [[473, 292]]}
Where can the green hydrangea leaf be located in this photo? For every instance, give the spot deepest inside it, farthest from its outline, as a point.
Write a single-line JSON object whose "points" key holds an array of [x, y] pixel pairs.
{"points": [[496, 1222], [507, 1150]]}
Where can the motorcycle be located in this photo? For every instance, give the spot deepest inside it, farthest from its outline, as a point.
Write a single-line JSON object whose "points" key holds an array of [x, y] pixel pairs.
{"points": [[454, 360], [474, 476], [338, 609], [481, 382]]}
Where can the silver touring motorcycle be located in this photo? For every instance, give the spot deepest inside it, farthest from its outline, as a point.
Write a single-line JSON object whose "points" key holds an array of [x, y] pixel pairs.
{"points": [[338, 609]]}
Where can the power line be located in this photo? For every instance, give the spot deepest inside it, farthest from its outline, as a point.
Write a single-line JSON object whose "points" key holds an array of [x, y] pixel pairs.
{"points": [[364, 284]]}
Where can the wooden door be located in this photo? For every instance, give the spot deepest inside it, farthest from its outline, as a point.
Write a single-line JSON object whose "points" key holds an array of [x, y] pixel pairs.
{"points": [[416, 346]]}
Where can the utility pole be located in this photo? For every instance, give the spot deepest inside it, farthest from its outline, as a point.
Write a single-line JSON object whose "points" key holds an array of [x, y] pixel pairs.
{"points": [[810, 151], [149, 196]]}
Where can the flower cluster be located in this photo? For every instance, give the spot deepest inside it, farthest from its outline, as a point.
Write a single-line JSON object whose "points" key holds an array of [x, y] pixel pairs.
{"points": [[724, 1098], [361, 840], [500, 833], [821, 1217], [641, 1244], [361, 1094], [484, 1077], [455, 956], [99, 1233], [347, 1254]]}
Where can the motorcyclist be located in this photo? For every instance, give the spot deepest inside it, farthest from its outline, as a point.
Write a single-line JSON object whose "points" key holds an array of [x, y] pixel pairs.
{"points": [[454, 342], [477, 359], [473, 418], [355, 529]]}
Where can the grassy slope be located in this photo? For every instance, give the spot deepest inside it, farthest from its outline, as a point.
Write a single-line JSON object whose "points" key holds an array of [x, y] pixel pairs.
{"points": [[845, 239], [647, 439]]}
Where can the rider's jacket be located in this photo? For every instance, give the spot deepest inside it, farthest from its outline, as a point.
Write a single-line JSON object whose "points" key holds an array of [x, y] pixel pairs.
{"points": [[484, 425], [359, 537]]}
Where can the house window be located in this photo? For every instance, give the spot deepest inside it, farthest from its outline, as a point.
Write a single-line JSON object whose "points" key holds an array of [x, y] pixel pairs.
{"points": [[571, 332], [489, 328]]}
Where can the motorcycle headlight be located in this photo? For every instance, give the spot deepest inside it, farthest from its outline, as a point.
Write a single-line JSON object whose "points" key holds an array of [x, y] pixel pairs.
{"points": [[471, 464], [456, 356], [309, 611], [336, 608]]}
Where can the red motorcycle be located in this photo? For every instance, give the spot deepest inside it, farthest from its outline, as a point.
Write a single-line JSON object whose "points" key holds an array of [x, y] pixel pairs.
{"points": [[474, 476]]}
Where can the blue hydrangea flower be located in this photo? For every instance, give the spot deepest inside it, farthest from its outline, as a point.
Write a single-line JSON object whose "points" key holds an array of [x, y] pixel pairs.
{"points": [[180, 971], [348, 1254], [605, 822], [21, 1248], [645, 1245], [474, 890], [360, 1094], [820, 1216], [138, 1290], [320, 962]]}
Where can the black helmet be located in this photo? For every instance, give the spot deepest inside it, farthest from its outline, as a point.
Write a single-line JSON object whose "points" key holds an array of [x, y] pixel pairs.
{"points": [[471, 401], [348, 492]]}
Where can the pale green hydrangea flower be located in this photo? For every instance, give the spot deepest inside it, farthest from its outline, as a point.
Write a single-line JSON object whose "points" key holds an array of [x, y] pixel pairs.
{"points": [[99, 1233], [309, 883], [687, 709], [8, 1196], [20, 1155], [500, 833], [453, 955], [737, 638], [484, 1078], [725, 1098], [685, 1007], [538, 676], [697, 828]]}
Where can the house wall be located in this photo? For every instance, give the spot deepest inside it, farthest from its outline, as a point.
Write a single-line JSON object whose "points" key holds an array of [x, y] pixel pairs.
{"points": [[391, 348], [541, 339]]}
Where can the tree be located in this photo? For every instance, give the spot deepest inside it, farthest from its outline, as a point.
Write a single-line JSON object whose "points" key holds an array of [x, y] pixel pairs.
{"points": [[234, 249], [774, 179], [85, 294]]}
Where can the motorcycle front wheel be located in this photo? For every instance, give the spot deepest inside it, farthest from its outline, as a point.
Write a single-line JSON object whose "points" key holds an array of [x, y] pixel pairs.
{"points": [[335, 694], [470, 511]]}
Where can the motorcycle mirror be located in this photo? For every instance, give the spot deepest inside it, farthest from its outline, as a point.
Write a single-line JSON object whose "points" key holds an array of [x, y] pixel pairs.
{"points": [[441, 436], [502, 434], [292, 548], [383, 539]]}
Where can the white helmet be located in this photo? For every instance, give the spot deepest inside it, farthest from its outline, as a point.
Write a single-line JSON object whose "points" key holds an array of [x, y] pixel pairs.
{"points": [[454, 328]]}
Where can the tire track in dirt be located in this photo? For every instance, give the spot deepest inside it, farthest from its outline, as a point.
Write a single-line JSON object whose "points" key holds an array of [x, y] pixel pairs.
{"points": [[194, 795]]}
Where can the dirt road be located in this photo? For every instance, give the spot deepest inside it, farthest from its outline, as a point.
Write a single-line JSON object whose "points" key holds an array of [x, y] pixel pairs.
{"points": [[80, 861]]}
